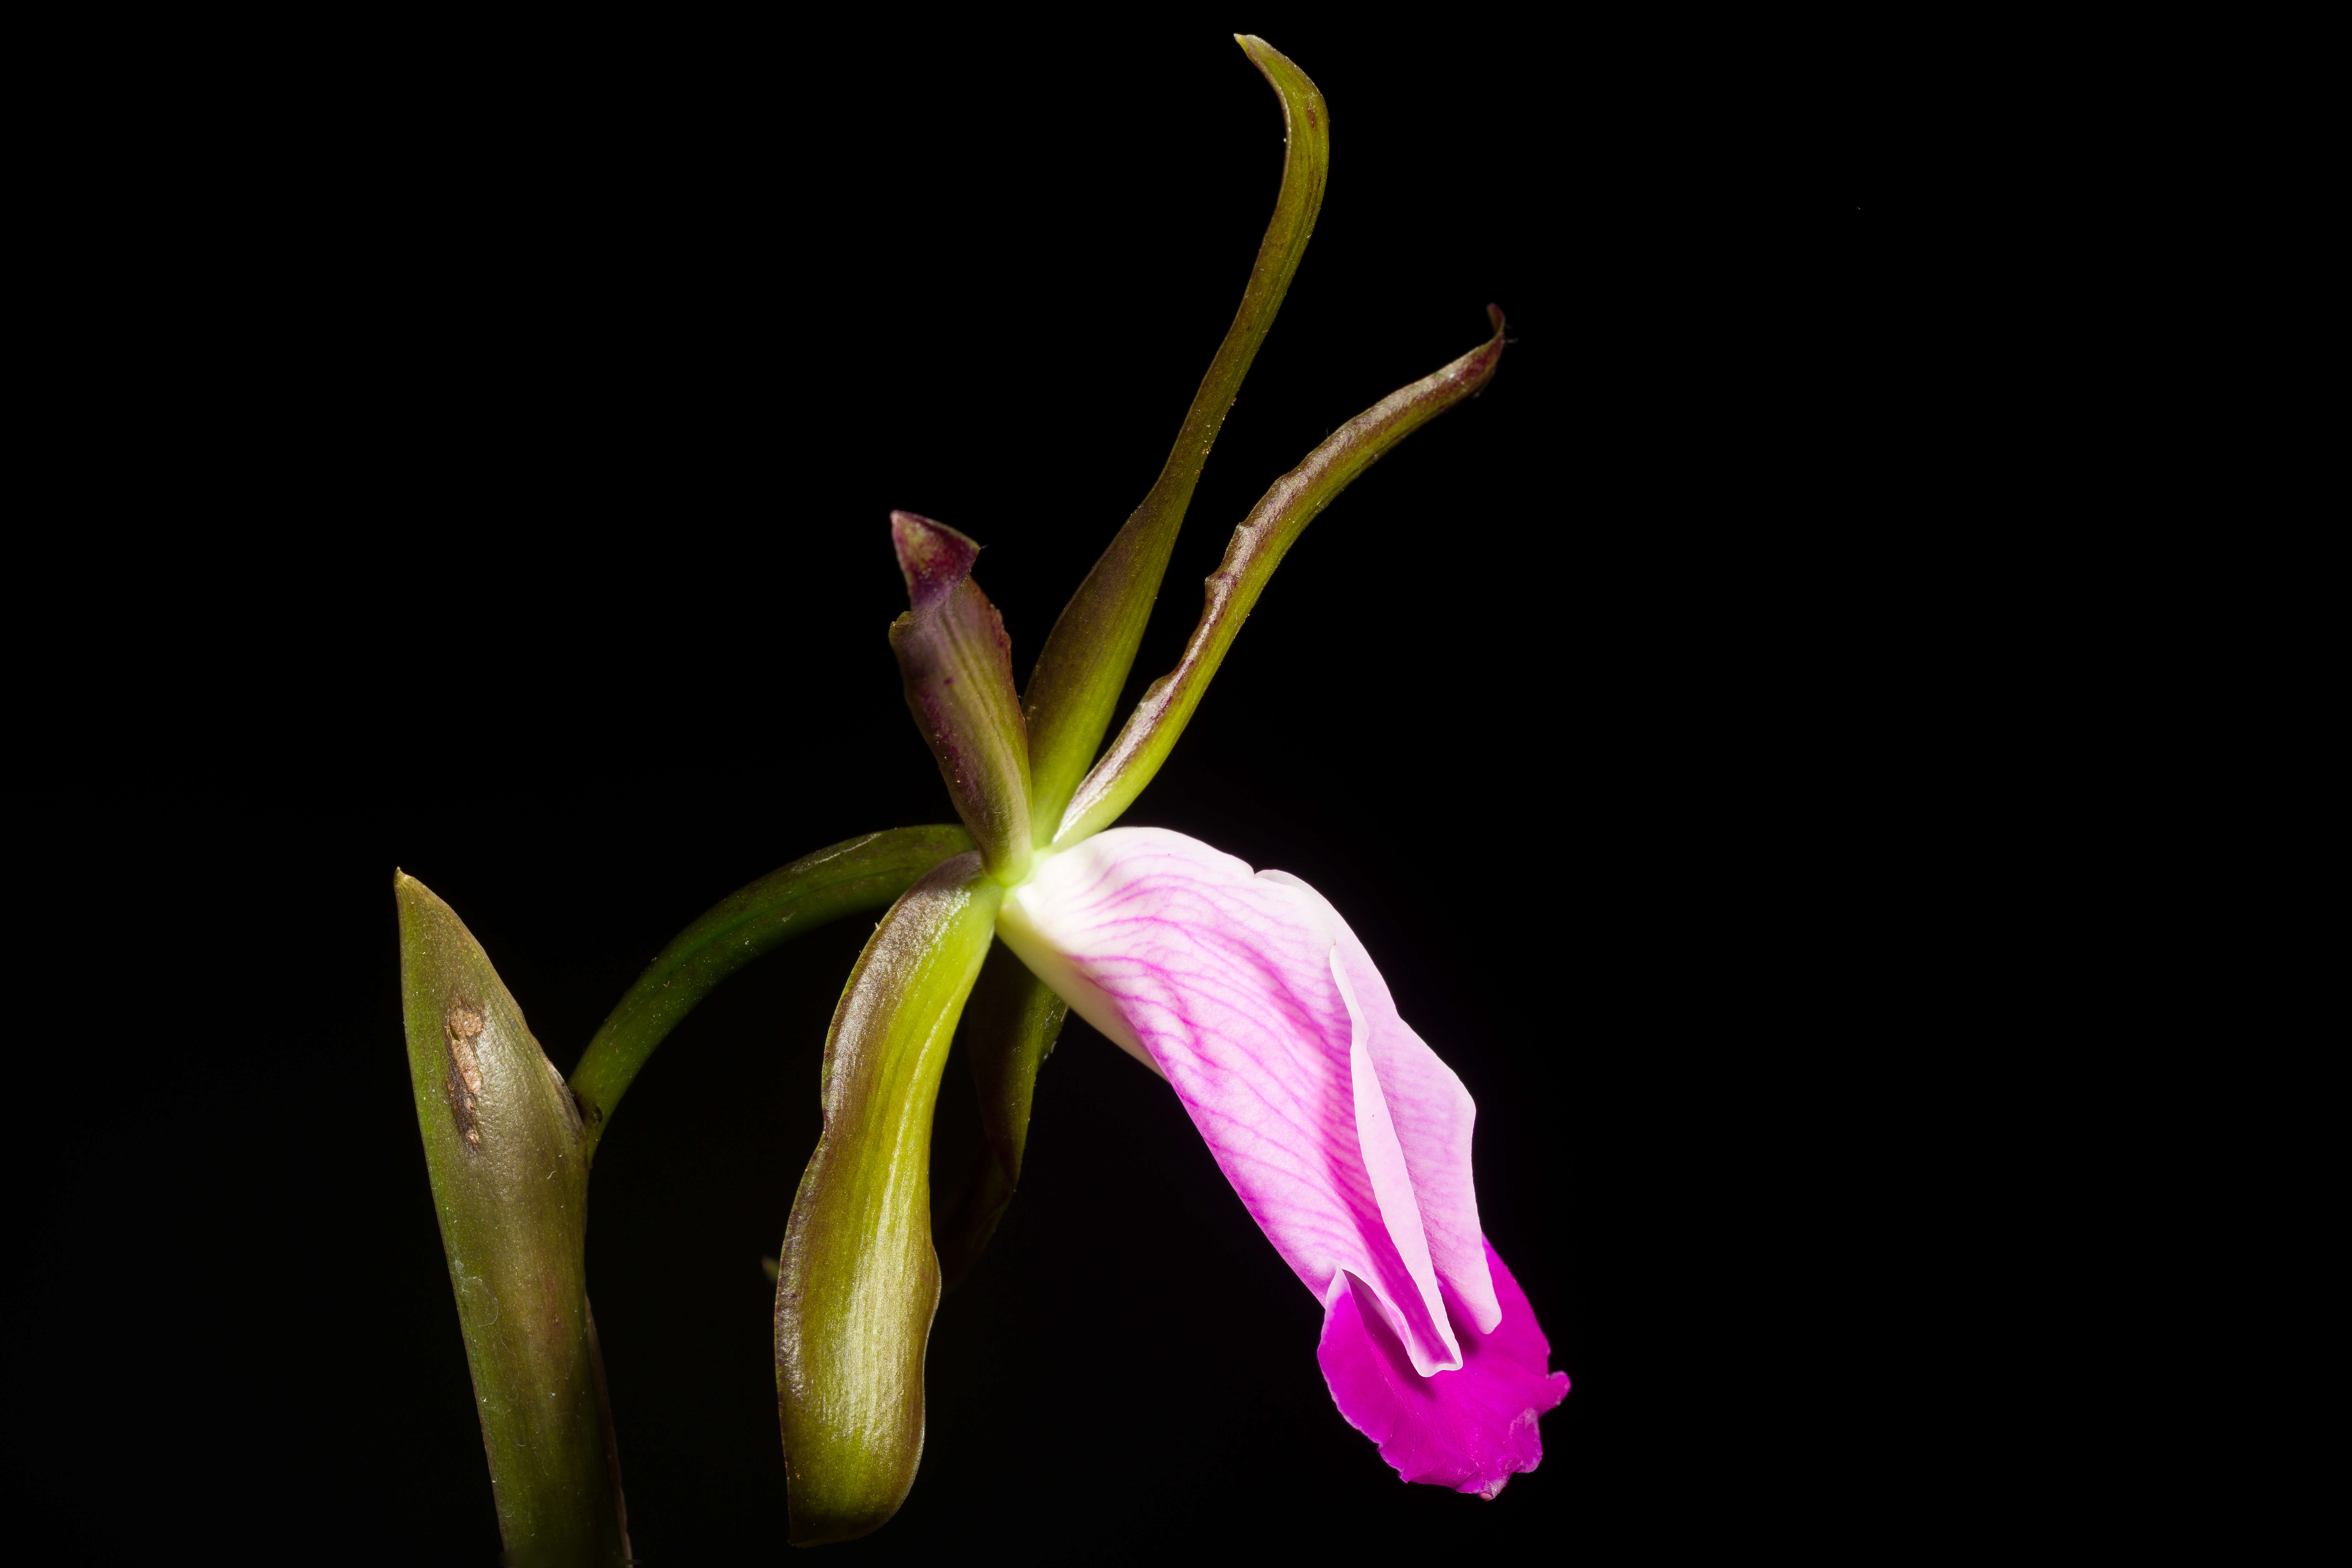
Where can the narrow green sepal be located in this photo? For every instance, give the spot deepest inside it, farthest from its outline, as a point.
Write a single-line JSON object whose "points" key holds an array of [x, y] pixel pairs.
{"points": [[857, 1280], [858, 874], [509, 1175], [1257, 548], [1009, 1029], [957, 664], [1074, 691]]}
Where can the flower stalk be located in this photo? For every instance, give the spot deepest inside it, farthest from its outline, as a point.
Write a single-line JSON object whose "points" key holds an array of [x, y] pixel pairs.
{"points": [[867, 872], [508, 1148]]}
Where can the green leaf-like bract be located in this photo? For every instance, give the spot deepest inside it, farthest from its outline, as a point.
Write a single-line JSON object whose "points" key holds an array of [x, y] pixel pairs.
{"points": [[858, 1281], [510, 1173]]}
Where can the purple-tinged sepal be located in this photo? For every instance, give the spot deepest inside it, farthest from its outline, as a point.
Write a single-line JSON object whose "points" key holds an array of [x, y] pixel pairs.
{"points": [[958, 666]]}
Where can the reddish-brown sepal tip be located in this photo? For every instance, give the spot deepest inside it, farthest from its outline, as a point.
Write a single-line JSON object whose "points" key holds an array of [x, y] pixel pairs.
{"points": [[932, 557]]}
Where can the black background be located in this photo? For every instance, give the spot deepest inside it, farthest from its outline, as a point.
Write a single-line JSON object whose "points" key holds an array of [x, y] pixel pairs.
{"points": [[525, 415]]}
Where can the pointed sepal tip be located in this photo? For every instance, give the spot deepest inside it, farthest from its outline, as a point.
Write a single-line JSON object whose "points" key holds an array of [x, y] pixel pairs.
{"points": [[932, 557]]}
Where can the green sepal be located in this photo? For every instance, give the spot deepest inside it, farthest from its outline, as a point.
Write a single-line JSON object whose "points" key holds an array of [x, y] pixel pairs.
{"points": [[857, 1280], [1074, 691], [957, 664], [1009, 1029], [509, 1175], [846, 878], [1257, 548]]}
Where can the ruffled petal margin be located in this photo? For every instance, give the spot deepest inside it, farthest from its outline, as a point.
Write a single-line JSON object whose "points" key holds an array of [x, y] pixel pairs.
{"points": [[1473, 1429]]}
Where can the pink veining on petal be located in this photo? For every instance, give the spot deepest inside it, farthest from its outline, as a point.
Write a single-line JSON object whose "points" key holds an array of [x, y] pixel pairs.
{"points": [[1238, 987], [1432, 1114], [1384, 1164], [1471, 1429]]}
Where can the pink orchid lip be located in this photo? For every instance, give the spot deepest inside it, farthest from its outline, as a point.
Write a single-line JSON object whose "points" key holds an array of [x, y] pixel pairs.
{"points": [[1345, 1137], [1069, 980], [1472, 1428]]}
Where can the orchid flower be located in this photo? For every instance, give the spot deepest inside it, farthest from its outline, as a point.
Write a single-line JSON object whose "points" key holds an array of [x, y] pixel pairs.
{"points": [[1345, 1137]]}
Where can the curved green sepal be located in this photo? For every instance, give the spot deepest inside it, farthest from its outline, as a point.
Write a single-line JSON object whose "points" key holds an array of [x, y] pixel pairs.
{"points": [[1257, 548], [509, 1177], [957, 664], [858, 1282], [1009, 1029], [1075, 689], [844, 878]]}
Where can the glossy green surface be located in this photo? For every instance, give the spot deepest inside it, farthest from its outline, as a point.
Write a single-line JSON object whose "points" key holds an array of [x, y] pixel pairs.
{"points": [[509, 1175], [1075, 689], [857, 1280], [846, 878], [1257, 548]]}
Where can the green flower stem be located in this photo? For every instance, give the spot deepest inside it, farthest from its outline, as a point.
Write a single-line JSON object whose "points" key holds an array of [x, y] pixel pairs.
{"points": [[858, 1282], [1075, 689], [1009, 1030], [844, 878], [1257, 548], [510, 1173]]}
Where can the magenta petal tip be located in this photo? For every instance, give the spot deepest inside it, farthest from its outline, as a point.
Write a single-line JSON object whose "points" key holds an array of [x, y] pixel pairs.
{"points": [[1473, 1429]]}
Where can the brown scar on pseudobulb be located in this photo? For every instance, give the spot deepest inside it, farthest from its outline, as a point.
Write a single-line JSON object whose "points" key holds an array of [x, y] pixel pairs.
{"points": [[465, 1083]]}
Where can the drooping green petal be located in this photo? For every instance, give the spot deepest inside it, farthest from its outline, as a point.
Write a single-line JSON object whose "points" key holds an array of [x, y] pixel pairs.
{"points": [[510, 1174], [1009, 1029], [1257, 548], [858, 1282], [1075, 688], [846, 878], [958, 666]]}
